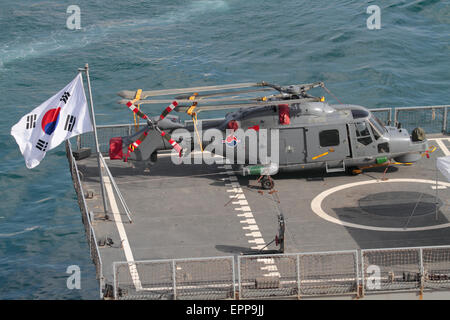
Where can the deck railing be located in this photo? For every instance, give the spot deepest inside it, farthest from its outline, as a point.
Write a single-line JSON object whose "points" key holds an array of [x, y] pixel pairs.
{"points": [[86, 217], [297, 275], [433, 119]]}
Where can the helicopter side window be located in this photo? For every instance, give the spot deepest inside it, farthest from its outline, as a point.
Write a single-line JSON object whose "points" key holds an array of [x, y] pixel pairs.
{"points": [[363, 133], [376, 134], [383, 147], [329, 138], [377, 128]]}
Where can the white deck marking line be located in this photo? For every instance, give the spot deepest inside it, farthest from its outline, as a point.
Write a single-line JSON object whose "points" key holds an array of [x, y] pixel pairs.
{"points": [[122, 233], [257, 241], [443, 147], [270, 268], [243, 206], [246, 215], [316, 206], [254, 234], [252, 227], [232, 185], [257, 247], [266, 260], [248, 221], [439, 187]]}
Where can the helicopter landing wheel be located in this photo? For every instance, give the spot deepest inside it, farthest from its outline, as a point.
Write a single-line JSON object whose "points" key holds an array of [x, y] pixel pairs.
{"points": [[267, 183]]}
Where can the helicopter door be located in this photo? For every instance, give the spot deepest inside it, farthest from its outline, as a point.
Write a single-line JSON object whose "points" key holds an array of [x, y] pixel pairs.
{"points": [[362, 135], [327, 143], [292, 145]]}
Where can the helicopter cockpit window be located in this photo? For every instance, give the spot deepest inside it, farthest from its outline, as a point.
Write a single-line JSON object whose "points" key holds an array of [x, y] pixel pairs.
{"points": [[363, 133], [358, 113], [374, 130], [329, 138], [377, 127]]}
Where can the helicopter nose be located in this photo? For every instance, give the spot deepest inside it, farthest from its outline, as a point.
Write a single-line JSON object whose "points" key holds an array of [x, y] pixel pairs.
{"points": [[408, 158]]}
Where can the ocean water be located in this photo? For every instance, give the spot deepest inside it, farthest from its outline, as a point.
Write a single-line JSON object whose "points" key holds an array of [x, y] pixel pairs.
{"points": [[161, 44]]}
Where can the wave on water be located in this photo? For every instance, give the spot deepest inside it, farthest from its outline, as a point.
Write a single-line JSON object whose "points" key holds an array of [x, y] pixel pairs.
{"points": [[7, 235], [43, 200], [102, 31]]}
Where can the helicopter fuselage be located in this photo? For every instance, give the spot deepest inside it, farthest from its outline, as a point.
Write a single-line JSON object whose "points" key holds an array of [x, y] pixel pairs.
{"points": [[297, 137]]}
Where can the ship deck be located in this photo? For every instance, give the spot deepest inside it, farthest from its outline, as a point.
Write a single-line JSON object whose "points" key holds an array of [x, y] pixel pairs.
{"points": [[189, 211]]}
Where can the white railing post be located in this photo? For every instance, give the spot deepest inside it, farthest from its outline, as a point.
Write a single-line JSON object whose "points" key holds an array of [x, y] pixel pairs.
{"points": [[422, 271], [239, 278], [362, 273], [444, 127], [298, 277], [174, 275], [115, 280], [234, 278]]}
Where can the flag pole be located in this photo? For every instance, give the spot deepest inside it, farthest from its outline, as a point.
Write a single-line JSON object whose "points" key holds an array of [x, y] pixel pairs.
{"points": [[97, 148]]}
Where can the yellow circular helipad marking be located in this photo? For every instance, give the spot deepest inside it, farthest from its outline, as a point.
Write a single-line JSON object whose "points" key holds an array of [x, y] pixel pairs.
{"points": [[316, 205]]}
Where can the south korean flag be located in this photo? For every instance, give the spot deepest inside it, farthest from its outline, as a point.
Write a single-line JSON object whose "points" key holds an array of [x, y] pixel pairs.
{"points": [[61, 117]]}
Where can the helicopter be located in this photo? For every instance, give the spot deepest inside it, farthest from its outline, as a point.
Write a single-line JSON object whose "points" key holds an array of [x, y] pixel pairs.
{"points": [[305, 131]]}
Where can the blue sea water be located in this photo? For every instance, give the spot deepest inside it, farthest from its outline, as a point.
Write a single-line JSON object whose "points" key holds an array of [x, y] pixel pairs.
{"points": [[161, 44]]}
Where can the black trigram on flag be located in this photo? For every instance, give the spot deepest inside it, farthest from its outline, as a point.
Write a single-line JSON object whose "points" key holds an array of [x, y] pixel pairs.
{"points": [[65, 97], [42, 145], [31, 121], [70, 122]]}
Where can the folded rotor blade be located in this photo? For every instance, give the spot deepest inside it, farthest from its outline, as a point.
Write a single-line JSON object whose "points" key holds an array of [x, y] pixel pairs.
{"points": [[159, 101], [128, 94], [172, 142], [168, 110], [133, 146], [219, 94], [131, 106], [184, 108]]}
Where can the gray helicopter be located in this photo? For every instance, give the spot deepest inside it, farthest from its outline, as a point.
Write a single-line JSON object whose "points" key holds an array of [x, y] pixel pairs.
{"points": [[310, 133]]}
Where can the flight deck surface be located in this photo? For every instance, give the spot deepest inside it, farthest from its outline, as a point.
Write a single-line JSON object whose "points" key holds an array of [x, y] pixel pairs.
{"points": [[193, 211]]}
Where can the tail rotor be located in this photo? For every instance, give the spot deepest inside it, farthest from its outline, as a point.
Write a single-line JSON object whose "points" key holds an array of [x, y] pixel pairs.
{"points": [[152, 125]]}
